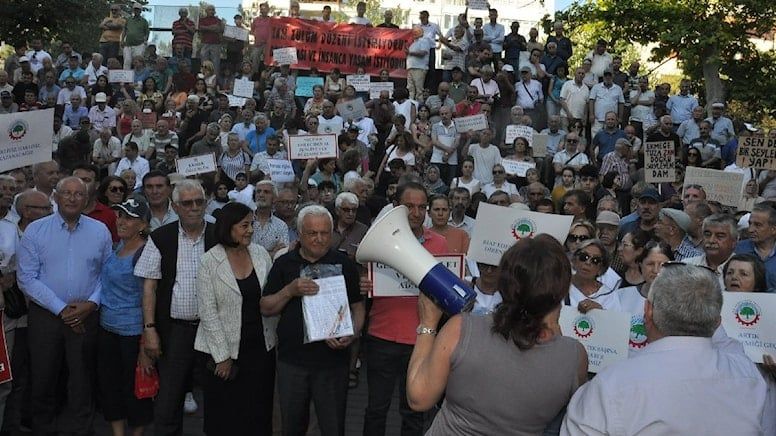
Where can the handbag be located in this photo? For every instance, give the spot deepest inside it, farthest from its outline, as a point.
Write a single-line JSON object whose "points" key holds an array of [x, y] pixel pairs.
{"points": [[146, 385], [15, 302]]}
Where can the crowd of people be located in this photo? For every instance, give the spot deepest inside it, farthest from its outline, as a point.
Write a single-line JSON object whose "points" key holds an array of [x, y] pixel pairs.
{"points": [[116, 267]]}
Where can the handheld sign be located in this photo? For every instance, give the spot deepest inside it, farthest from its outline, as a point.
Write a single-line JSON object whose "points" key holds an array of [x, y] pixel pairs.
{"points": [[516, 167], [538, 144], [121, 76], [235, 101], [312, 146], [723, 186], [327, 313], [359, 81], [352, 110], [235, 32], [375, 88], [285, 56], [756, 152], [280, 170], [603, 333], [750, 318], [244, 88], [481, 5], [387, 282], [472, 123], [26, 138], [193, 165], [515, 131], [304, 85], [659, 162]]}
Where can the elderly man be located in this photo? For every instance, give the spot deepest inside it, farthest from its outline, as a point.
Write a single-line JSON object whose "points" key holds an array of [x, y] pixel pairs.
{"points": [[135, 35], [183, 30], [692, 194], [680, 383], [690, 128], [722, 127], [169, 266], [269, 231], [672, 226], [285, 209], [720, 235], [436, 101], [617, 161], [762, 239], [210, 30], [257, 139], [604, 97], [665, 132], [348, 232], [316, 371], [64, 289], [605, 139]]}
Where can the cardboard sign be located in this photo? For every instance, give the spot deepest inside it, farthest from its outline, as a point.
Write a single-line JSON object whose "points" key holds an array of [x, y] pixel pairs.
{"points": [[244, 88], [725, 187], [750, 318], [480, 5], [312, 146], [26, 138], [387, 282], [121, 76], [148, 119], [235, 32], [659, 158], [375, 88], [603, 333], [359, 81], [193, 165], [497, 228], [280, 170], [756, 152], [472, 123], [352, 110], [538, 144], [285, 56], [515, 131], [516, 167], [304, 86], [235, 101]]}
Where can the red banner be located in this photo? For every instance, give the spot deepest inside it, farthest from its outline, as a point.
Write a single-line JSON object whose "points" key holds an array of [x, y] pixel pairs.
{"points": [[5, 359], [344, 46]]}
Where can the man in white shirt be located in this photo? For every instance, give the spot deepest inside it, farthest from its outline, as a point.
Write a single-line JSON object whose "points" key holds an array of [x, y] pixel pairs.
{"points": [[680, 384], [360, 18], [326, 15], [132, 161], [486, 156], [602, 60], [94, 70], [529, 94], [68, 90], [36, 55], [604, 97], [101, 115], [328, 121], [417, 62]]}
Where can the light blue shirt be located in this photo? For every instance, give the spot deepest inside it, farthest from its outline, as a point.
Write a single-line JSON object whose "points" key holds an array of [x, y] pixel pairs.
{"points": [[722, 129], [681, 107], [747, 247], [494, 35], [58, 266]]}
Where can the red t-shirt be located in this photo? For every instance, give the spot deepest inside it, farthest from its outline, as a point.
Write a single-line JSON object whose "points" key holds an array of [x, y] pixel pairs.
{"points": [[396, 318], [260, 29], [184, 39], [107, 216], [462, 109], [207, 36]]}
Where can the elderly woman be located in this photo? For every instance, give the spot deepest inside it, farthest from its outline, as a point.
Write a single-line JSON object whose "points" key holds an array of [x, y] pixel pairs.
{"points": [[523, 336], [121, 324], [500, 183], [232, 332], [588, 291], [630, 250], [314, 104], [744, 273], [112, 191]]}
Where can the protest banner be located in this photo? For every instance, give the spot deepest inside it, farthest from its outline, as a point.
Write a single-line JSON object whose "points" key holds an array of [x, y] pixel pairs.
{"points": [[659, 160], [285, 56], [603, 333], [538, 144], [121, 76], [244, 88], [234, 32], [472, 123], [304, 86], [723, 186], [147, 118], [280, 170], [352, 110], [498, 227], [359, 81], [312, 146], [750, 318], [516, 167], [756, 152], [375, 88], [387, 282], [193, 165], [515, 131], [340, 45], [26, 138]]}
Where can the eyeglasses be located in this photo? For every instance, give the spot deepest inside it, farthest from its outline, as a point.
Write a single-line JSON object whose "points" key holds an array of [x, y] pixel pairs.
{"points": [[498, 172], [348, 209], [29, 206], [199, 202], [578, 238], [573, 141], [584, 257], [116, 189]]}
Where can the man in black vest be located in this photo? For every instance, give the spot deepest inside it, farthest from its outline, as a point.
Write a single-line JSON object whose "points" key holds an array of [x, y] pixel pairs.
{"points": [[169, 266]]}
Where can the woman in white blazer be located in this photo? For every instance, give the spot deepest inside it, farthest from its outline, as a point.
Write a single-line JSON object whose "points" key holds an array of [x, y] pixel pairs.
{"points": [[238, 341]]}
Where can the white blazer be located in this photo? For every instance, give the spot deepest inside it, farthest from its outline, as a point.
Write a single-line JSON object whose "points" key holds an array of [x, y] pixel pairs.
{"points": [[220, 303]]}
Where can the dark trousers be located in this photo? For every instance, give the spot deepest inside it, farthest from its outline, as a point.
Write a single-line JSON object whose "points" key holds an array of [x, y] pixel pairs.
{"points": [[326, 387], [175, 365], [18, 405], [54, 344], [109, 50], [386, 364]]}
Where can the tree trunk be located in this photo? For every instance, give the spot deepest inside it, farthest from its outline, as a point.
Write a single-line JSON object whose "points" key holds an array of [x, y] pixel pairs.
{"points": [[715, 90]]}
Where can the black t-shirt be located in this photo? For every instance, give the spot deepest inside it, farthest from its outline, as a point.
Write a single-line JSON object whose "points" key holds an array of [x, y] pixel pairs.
{"points": [[291, 346]]}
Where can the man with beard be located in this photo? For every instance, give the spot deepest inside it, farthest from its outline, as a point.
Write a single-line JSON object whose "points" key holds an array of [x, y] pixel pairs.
{"points": [[459, 202], [269, 231]]}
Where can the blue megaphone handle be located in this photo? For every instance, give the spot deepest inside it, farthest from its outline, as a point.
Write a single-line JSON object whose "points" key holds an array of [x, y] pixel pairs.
{"points": [[447, 290]]}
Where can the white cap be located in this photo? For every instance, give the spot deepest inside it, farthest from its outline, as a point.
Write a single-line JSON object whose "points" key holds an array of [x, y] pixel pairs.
{"points": [[100, 97]]}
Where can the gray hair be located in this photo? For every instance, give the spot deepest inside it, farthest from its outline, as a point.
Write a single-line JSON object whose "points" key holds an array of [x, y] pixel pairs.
{"points": [[351, 183], [7, 178], [686, 301], [69, 179], [186, 185], [38, 167], [21, 199], [721, 219], [271, 184], [260, 116], [312, 210], [766, 208], [346, 197]]}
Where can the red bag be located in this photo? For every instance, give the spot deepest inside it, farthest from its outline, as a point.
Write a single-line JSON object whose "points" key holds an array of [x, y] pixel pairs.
{"points": [[146, 385]]}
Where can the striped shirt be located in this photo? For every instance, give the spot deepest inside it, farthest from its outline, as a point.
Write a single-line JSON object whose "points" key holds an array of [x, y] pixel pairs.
{"points": [[232, 165], [184, 38]]}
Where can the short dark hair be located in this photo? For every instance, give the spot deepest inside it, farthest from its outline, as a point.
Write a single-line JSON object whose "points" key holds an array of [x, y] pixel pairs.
{"points": [[103, 188], [155, 173], [86, 167], [326, 184], [588, 171], [546, 202], [226, 217], [132, 145], [415, 186]]}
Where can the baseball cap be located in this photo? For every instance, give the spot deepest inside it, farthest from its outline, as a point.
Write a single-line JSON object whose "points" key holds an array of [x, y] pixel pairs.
{"points": [[508, 67], [679, 217], [525, 68], [650, 193], [608, 217], [5, 94], [136, 207], [312, 183], [100, 97], [718, 104], [24, 59]]}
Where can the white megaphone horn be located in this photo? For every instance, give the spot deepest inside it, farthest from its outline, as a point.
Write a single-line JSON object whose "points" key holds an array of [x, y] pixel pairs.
{"points": [[390, 241]]}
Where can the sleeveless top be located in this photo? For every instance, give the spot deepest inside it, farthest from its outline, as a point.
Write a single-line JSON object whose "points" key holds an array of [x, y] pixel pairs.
{"points": [[509, 391]]}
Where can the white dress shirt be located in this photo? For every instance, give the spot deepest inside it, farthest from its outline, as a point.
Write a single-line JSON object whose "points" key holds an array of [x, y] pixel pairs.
{"points": [[140, 166]]}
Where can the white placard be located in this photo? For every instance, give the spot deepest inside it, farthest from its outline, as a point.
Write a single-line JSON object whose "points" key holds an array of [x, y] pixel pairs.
{"points": [[235, 32], [750, 318], [517, 131], [244, 88], [480, 5], [538, 144], [497, 228], [359, 81], [285, 56], [659, 160], [193, 165], [235, 101], [603, 333], [471, 123], [121, 76], [26, 138], [352, 110], [516, 167], [327, 313], [723, 186], [387, 282], [312, 146], [375, 88], [280, 170]]}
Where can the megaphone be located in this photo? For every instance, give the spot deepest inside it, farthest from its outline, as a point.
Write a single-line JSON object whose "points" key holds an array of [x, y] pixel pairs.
{"points": [[390, 241]]}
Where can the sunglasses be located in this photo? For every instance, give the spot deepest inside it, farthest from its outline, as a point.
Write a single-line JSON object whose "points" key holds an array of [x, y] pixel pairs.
{"points": [[498, 172], [116, 189], [190, 203], [584, 257], [578, 238]]}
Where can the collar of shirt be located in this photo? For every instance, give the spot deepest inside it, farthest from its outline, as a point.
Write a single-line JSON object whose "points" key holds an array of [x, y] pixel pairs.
{"points": [[683, 343], [62, 224], [184, 234]]}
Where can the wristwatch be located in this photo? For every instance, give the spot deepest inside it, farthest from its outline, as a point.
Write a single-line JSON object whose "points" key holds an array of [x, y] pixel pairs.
{"points": [[150, 325], [422, 330]]}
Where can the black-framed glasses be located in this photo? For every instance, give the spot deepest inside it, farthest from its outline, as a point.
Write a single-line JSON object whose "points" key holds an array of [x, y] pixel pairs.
{"points": [[584, 258], [578, 238], [117, 189]]}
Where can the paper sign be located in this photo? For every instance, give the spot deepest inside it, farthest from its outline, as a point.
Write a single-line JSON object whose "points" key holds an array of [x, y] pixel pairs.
{"points": [[471, 123], [304, 85], [312, 146], [481, 5], [375, 88], [327, 313], [193, 165], [280, 170], [148, 119], [352, 110], [516, 167], [121, 76], [5, 359], [756, 152], [497, 228], [517, 131], [538, 144], [725, 187], [285, 56], [750, 318], [26, 138], [244, 88], [235, 101], [235, 32], [659, 160], [603, 333], [359, 81], [387, 282]]}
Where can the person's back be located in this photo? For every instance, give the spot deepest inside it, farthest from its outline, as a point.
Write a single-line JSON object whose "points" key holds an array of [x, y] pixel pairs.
{"points": [[495, 386]]}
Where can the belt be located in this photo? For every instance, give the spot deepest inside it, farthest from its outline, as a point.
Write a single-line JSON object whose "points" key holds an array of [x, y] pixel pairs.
{"points": [[185, 321]]}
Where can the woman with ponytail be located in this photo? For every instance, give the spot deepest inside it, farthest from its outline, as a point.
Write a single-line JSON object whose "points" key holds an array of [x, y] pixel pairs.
{"points": [[509, 372]]}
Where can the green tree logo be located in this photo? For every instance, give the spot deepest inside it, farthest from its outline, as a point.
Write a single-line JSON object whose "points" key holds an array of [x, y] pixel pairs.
{"points": [[583, 327], [638, 333], [747, 313], [523, 228]]}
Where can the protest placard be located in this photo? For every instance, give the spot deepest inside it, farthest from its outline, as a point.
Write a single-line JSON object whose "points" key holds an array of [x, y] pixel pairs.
{"points": [[193, 165], [497, 228], [244, 88], [280, 170], [603, 333], [352, 110], [659, 160], [750, 318], [479, 5], [147, 118], [234, 32], [121, 76], [387, 282], [472, 123], [235, 101], [26, 138], [304, 85], [516, 167], [285, 56], [359, 81], [756, 152], [375, 88], [312, 146], [723, 186], [538, 144], [514, 131], [327, 313]]}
